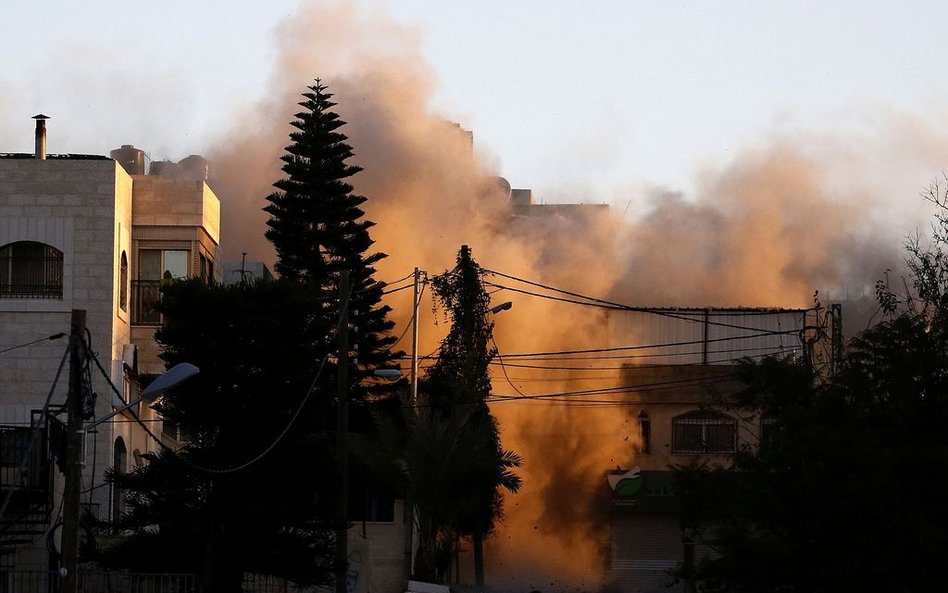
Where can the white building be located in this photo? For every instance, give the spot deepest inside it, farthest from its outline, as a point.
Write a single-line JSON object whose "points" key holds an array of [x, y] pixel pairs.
{"points": [[79, 232]]}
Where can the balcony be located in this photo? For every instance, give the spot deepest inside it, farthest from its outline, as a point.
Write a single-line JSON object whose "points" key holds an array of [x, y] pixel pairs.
{"points": [[25, 479], [145, 295]]}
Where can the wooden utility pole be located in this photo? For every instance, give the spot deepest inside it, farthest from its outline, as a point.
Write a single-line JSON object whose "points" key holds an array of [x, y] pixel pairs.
{"points": [[342, 435], [74, 434]]}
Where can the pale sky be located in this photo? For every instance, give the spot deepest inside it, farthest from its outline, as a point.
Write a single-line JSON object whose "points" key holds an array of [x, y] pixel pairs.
{"points": [[590, 100]]}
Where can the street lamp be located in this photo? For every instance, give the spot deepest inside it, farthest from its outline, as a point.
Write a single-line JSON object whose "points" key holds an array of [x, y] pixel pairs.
{"points": [[167, 380], [501, 307]]}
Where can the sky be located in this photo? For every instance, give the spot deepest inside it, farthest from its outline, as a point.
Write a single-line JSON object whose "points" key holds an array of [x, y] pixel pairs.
{"points": [[596, 101]]}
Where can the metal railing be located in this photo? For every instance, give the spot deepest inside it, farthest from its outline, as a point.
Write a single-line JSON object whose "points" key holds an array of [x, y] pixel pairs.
{"points": [[45, 581], [31, 277], [145, 295]]}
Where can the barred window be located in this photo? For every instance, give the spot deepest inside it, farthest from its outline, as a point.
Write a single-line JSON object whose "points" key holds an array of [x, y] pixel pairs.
{"points": [[704, 431], [31, 270]]}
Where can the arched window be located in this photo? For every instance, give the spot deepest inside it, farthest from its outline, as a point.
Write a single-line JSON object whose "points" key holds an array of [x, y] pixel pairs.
{"points": [[645, 432], [119, 462], [31, 270], [123, 282], [704, 431]]}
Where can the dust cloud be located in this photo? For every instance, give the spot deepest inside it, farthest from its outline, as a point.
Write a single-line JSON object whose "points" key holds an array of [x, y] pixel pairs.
{"points": [[766, 229]]}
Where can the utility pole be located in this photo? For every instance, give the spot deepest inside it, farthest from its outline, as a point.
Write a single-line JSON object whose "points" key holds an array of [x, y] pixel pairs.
{"points": [[413, 400], [414, 339], [74, 434], [342, 435]]}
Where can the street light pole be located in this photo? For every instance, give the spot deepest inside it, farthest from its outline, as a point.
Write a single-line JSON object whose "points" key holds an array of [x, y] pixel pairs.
{"points": [[74, 433]]}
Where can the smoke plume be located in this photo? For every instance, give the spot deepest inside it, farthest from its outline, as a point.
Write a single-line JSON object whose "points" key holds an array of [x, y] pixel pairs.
{"points": [[767, 229]]}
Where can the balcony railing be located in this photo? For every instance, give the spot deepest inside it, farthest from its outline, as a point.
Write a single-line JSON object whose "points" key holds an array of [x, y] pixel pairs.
{"points": [[145, 295], [31, 277]]}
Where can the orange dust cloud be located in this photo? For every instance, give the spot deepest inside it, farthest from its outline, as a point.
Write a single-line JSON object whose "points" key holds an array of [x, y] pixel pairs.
{"points": [[767, 229]]}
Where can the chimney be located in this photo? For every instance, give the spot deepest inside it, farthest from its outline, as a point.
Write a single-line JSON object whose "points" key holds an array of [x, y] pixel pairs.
{"points": [[41, 136]]}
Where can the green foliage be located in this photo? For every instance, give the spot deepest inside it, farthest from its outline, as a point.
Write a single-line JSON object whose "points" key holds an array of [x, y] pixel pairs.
{"points": [[318, 229], [457, 386], [187, 511], [255, 488], [846, 489]]}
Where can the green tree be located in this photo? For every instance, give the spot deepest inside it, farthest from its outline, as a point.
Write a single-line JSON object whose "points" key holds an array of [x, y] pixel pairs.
{"points": [[458, 385], [233, 499], [319, 230], [267, 392], [846, 488]]}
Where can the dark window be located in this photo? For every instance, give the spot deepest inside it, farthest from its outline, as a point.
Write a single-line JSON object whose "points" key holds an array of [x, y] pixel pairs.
{"points": [[370, 502], [123, 282], [31, 270], [645, 432], [15, 468], [767, 430], [119, 461], [704, 432]]}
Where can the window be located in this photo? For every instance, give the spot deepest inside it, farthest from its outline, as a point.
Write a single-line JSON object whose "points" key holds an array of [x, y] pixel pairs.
{"points": [[119, 462], [767, 430], [123, 282], [14, 445], [704, 431], [645, 432], [156, 267], [370, 503], [31, 270]]}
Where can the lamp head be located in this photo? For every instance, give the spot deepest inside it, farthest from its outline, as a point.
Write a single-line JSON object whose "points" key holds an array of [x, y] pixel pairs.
{"points": [[501, 307], [170, 378]]}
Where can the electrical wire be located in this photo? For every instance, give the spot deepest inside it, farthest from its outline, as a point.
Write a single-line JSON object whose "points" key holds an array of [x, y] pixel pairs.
{"points": [[604, 304], [36, 341], [402, 279], [563, 354], [503, 366], [621, 389], [399, 289], [775, 349], [414, 314], [342, 316]]}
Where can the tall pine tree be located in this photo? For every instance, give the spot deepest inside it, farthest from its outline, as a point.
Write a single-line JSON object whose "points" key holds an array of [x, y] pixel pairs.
{"points": [[259, 348], [318, 229]]}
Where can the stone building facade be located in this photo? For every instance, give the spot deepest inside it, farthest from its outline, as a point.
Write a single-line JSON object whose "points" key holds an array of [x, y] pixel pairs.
{"points": [[79, 232]]}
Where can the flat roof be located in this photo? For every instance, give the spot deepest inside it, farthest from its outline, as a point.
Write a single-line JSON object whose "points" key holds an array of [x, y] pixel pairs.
{"points": [[78, 157]]}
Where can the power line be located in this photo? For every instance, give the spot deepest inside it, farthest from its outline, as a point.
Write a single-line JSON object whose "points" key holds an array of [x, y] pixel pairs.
{"points": [[775, 349], [618, 390], [36, 341], [601, 303], [276, 441], [563, 353], [414, 313]]}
